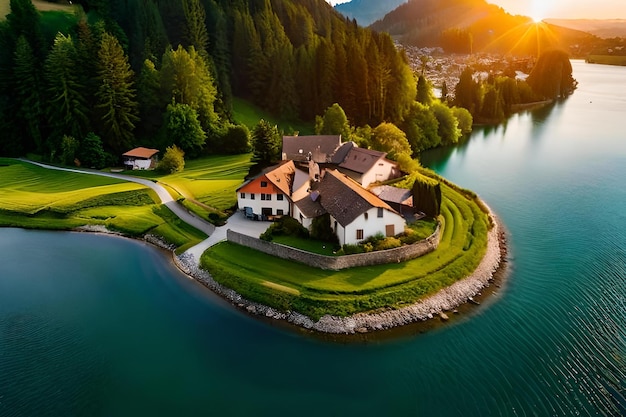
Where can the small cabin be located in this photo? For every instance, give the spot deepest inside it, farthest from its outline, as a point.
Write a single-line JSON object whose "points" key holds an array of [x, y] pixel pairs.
{"points": [[141, 158]]}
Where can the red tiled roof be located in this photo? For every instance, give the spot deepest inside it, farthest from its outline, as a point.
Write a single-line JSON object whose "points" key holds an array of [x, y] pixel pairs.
{"points": [[278, 177], [145, 153]]}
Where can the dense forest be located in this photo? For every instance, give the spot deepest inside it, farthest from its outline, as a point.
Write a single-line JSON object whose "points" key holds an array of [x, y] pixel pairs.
{"points": [[144, 71], [84, 87]]}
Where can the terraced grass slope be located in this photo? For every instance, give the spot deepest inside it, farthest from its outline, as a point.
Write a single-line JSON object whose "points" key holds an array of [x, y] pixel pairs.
{"points": [[288, 285], [35, 197]]}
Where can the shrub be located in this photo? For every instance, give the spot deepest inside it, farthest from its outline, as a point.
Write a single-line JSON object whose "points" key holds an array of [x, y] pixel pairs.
{"points": [[388, 243], [285, 226], [173, 160]]}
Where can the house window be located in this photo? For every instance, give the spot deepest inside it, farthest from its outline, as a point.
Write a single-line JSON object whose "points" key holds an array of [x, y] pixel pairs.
{"points": [[263, 184], [279, 212], [243, 195], [359, 234], [279, 197], [251, 196], [380, 212], [266, 197], [365, 215]]}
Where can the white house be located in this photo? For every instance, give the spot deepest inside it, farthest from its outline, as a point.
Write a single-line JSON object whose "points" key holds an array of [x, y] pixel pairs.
{"points": [[355, 213], [269, 194], [141, 158], [367, 166]]}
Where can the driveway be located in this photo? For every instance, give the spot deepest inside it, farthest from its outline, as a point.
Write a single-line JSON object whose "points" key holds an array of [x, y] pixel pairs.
{"points": [[236, 222]]}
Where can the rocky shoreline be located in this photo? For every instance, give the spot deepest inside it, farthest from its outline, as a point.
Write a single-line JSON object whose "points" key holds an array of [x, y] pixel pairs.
{"points": [[445, 300]]}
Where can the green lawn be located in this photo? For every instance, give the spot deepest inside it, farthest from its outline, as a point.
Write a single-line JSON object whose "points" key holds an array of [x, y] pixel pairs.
{"points": [[607, 59], [35, 197], [248, 114], [256, 275]]}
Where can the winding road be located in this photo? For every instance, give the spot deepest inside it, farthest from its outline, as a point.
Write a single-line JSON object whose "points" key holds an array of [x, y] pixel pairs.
{"points": [[236, 222]]}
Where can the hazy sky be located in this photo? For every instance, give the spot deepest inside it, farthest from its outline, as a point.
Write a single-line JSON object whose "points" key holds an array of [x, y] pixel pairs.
{"points": [[570, 9]]}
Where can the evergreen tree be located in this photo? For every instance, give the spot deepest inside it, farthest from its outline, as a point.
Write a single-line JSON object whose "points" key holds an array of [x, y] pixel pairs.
{"points": [[424, 91], [151, 103], [66, 110], [91, 152], [551, 76], [196, 34], [116, 106], [28, 89], [266, 143]]}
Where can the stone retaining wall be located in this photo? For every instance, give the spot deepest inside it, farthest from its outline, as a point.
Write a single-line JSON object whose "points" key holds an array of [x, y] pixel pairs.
{"points": [[335, 263]]}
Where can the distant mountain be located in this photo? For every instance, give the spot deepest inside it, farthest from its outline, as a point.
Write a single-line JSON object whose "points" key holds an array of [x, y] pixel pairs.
{"points": [[610, 28], [464, 26], [367, 11]]}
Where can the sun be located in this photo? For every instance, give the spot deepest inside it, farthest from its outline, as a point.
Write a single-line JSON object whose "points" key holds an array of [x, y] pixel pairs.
{"points": [[539, 10]]}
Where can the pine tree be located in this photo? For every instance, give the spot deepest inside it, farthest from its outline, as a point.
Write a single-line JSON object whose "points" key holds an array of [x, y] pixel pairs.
{"points": [[66, 110], [116, 104], [266, 143], [28, 88]]}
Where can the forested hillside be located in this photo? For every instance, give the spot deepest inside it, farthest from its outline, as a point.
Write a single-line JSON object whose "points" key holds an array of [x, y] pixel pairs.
{"points": [[465, 26], [149, 72], [367, 11]]}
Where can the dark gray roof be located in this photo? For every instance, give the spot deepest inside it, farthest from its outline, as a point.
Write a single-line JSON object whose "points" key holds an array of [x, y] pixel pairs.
{"points": [[342, 152], [345, 199], [321, 147], [309, 207], [361, 160], [393, 194]]}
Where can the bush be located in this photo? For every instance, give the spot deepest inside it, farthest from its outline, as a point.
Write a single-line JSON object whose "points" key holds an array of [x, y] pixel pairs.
{"points": [[285, 226], [173, 160]]}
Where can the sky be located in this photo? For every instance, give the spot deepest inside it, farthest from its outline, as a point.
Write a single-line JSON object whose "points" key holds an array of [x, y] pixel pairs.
{"points": [[564, 9]]}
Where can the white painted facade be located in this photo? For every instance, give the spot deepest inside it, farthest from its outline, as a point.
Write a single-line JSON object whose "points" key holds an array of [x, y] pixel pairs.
{"points": [[138, 163], [370, 224], [381, 171], [262, 205]]}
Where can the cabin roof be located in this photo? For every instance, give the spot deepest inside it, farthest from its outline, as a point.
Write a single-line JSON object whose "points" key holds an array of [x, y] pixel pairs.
{"points": [[140, 152]]}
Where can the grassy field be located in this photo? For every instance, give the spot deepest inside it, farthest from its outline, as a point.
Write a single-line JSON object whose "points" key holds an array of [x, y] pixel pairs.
{"points": [[248, 114], [607, 59], [34, 197], [317, 292], [207, 185]]}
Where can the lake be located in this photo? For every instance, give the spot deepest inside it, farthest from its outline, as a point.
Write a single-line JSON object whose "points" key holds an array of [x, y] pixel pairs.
{"points": [[94, 325]]}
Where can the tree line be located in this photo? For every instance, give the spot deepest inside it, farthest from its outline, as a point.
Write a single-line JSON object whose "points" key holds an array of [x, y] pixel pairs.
{"points": [[159, 73]]}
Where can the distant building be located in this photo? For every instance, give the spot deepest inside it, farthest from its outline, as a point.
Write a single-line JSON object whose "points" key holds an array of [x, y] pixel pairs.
{"points": [[141, 158]]}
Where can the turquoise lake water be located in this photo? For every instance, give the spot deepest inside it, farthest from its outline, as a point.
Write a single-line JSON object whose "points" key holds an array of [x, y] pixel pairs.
{"points": [[94, 325]]}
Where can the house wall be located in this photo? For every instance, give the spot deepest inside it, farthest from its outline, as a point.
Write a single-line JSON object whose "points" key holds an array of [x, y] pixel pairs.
{"points": [[370, 226], [297, 214], [381, 171], [257, 204], [400, 254], [139, 163]]}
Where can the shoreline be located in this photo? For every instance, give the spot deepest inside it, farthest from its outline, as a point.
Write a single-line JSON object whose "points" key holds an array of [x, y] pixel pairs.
{"points": [[434, 306]]}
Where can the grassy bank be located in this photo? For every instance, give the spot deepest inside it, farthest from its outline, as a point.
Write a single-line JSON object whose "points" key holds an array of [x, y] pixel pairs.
{"points": [[289, 285], [607, 59], [34, 197], [207, 185]]}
